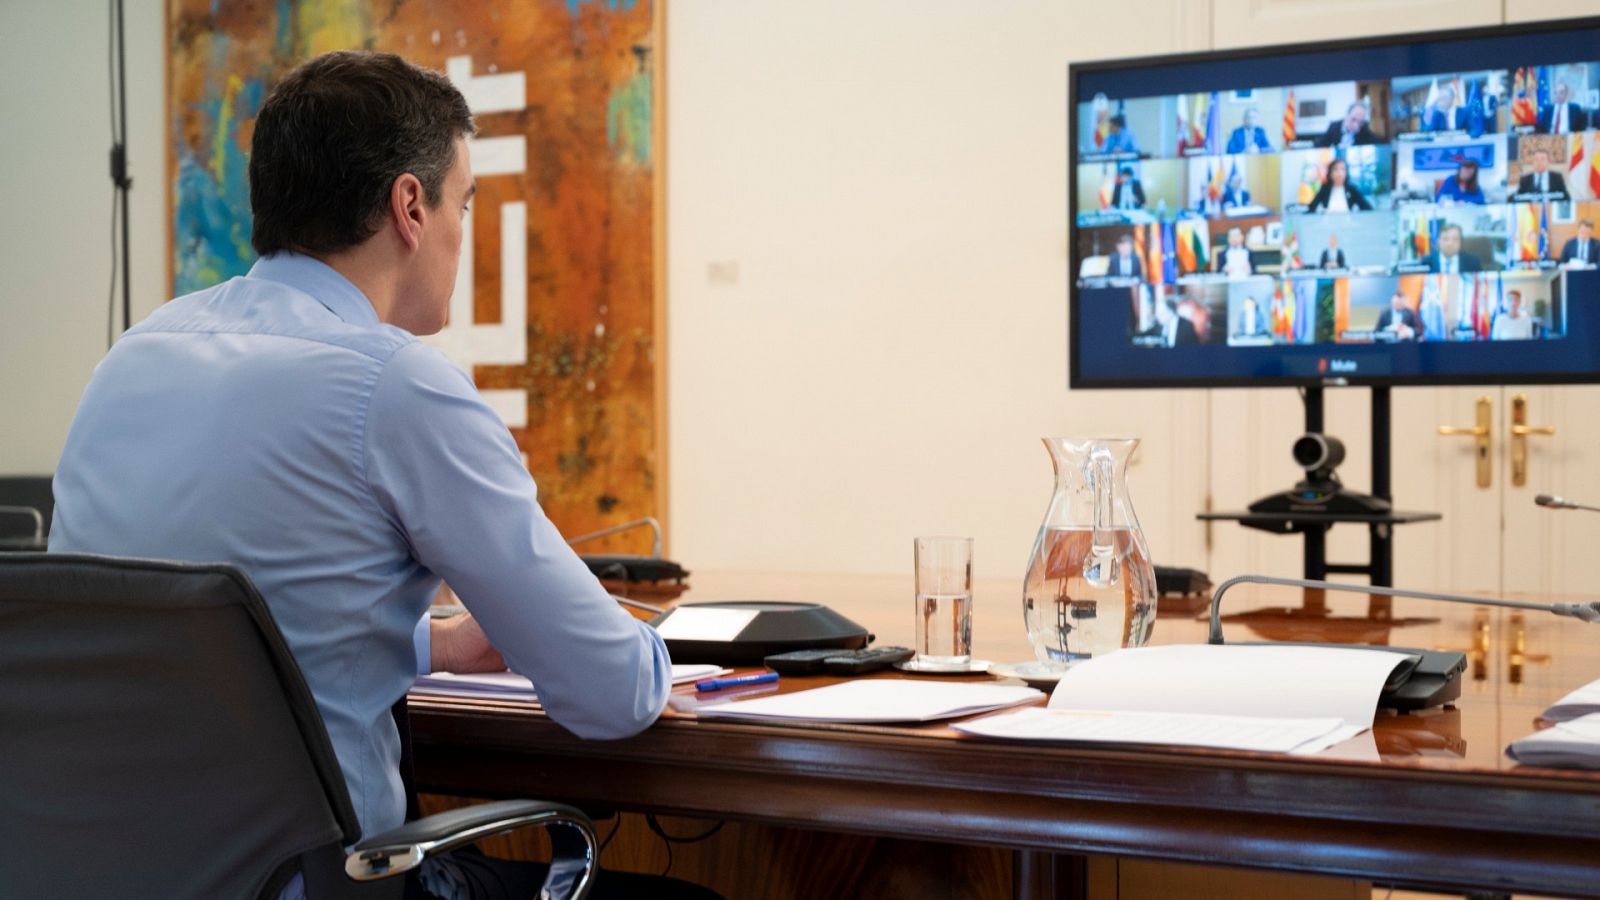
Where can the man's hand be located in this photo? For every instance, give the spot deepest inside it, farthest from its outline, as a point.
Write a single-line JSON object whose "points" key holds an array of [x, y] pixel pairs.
{"points": [[458, 644]]}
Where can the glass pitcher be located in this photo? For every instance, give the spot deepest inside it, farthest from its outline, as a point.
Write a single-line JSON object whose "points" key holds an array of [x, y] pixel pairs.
{"points": [[1090, 587]]}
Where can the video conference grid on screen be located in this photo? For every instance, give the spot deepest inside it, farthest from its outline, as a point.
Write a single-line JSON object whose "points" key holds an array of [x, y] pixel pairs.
{"points": [[1446, 207]]}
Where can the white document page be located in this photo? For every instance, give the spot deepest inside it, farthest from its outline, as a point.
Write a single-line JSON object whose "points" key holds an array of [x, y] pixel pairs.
{"points": [[698, 623], [1174, 729], [511, 686], [1581, 702], [876, 700], [1272, 680]]}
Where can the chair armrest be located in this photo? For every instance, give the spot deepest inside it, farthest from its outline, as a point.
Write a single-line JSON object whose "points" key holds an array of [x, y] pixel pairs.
{"points": [[574, 850]]}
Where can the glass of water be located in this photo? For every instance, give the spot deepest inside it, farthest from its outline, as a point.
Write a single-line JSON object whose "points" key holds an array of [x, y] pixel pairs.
{"points": [[943, 603]]}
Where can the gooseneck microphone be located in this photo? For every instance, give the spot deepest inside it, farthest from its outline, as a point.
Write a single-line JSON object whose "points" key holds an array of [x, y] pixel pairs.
{"points": [[1588, 611], [1552, 502]]}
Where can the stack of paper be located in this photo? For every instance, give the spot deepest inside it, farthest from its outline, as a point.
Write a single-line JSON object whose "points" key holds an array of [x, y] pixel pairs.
{"points": [[1581, 702], [1574, 742], [511, 686], [876, 701], [1178, 729], [1266, 698]]}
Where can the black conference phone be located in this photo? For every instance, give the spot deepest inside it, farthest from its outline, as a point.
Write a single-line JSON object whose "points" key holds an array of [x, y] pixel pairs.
{"points": [[1423, 680]]}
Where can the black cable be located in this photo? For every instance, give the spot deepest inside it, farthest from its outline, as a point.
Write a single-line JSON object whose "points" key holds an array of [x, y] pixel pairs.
{"points": [[668, 840], [111, 298], [116, 194], [650, 819], [616, 826]]}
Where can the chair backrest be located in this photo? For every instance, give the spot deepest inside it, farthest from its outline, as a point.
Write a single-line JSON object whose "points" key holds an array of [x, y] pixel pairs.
{"points": [[20, 497], [156, 736]]}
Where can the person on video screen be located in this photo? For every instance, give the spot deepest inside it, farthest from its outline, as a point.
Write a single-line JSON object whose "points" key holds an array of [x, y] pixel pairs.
{"points": [[1513, 322], [1561, 115], [1332, 257], [1462, 187], [1129, 193], [1448, 258], [1234, 260], [1399, 321], [1542, 181], [1176, 331], [1125, 263], [1581, 250], [1252, 322], [1118, 138], [1437, 117], [1250, 137], [1351, 131], [1236, 194], [1337, 193]]}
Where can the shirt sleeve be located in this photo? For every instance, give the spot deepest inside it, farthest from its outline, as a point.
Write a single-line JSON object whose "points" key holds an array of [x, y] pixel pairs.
{"points": [[422, 641], [443, 467]]}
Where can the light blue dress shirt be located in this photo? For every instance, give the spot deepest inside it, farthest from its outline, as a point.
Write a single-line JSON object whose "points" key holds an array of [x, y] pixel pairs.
{"points": [[274, 423]]}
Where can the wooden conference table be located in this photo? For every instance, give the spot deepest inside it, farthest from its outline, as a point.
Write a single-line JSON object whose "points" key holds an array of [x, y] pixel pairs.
{"points": [[1424, 800]]}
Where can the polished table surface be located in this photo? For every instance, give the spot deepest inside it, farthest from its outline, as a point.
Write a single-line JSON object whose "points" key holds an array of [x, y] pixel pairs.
{"points": [[1423, 799]]}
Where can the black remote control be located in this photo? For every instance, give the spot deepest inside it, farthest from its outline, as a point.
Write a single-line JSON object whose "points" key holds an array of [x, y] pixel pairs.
{"points": [[801, 662], [870, 659]]}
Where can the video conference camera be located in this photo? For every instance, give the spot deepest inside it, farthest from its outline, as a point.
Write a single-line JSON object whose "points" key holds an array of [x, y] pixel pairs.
{"points": [[1320, 491]]}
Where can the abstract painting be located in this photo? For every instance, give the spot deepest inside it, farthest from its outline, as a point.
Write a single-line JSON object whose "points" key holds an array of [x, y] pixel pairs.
{"points": [[555, 309]]}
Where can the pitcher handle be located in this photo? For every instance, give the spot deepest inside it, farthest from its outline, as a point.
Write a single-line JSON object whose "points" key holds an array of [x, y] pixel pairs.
{"points": [[1100, 568]]}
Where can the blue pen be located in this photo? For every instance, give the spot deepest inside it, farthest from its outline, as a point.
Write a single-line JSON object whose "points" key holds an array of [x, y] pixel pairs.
{"points": [[717, 684]]}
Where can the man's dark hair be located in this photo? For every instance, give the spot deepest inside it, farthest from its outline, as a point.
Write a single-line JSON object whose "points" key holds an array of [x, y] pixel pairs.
{"points": [[334, 135], [1119, 121]]}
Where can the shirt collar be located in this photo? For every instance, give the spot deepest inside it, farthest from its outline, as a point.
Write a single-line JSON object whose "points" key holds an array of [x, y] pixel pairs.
{"points": [[319, 280]]}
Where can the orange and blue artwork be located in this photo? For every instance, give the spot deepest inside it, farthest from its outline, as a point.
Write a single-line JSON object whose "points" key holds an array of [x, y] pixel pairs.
{"points": [[554, 307]]}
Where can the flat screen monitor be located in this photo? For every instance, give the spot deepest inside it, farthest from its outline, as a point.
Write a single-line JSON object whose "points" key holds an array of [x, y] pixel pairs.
{"points": [[1402, 210]]}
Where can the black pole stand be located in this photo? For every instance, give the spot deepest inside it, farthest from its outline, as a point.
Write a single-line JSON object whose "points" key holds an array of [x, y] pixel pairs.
{"points": [[119, 162], [1380, 535]]}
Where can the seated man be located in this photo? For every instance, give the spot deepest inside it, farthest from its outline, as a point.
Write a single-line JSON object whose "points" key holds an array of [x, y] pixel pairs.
{"points": [[1399, 322], [1438, 116], [1118, 138], [1250, 137], [1235, 260], [1125, 263], [1251, 322], [1448, 258], [1332, 257], [1561, 115], [1581, 250], [1175, 329], [290, 422], [1350, 131], [1542, 183], [1128, 193]]}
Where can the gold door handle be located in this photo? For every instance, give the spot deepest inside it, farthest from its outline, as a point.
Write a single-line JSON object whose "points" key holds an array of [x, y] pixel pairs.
{"points": [[1520, 429], [1482, 435]]}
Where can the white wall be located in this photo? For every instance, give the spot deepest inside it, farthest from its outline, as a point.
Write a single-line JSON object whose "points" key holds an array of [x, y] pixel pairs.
{"points": [[889, 179], [55, 190]]}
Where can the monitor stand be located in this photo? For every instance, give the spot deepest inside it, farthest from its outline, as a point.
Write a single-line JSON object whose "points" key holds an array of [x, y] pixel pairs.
{"points": [[1374, 510]]}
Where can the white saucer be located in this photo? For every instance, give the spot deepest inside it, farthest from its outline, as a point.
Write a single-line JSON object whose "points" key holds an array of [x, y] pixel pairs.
{"points": [[1029, 671], [973, 667]]}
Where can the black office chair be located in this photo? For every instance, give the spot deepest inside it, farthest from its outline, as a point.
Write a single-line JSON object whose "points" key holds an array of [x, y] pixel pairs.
{"points": [[26, 503], [157, 740]]}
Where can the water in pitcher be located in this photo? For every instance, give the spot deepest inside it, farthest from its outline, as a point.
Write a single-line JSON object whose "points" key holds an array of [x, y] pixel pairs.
{"points": [[944, 630], [1069, 618]]}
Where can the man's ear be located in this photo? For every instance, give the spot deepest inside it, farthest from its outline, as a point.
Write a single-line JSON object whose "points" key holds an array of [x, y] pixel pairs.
{"points": [[408, 209]]}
